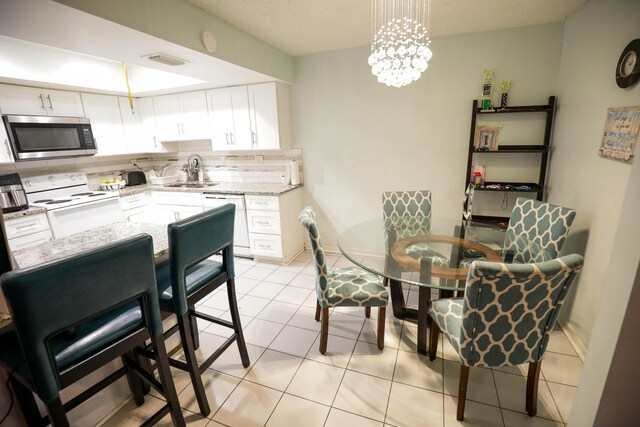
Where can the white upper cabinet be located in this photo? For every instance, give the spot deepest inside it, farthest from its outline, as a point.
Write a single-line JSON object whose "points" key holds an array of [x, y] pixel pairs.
{"points": [[263, 104], [229, 118], [136, 138], [250, 117], [39, 102], [106, 123], [182, 117], [5, 149]]}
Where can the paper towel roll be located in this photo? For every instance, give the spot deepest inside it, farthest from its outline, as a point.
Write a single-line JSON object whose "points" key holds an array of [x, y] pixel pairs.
{"points": [[295, 172]]}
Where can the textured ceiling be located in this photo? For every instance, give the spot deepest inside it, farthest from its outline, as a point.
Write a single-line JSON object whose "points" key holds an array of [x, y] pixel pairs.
{"points": [[302, 27]]}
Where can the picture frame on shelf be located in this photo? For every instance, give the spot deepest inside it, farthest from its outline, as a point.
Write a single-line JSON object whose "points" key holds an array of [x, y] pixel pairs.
{"points": [[487, 138]]}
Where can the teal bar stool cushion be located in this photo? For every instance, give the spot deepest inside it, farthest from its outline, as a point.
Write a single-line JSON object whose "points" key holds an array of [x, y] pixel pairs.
{"points": [[196, 277]]}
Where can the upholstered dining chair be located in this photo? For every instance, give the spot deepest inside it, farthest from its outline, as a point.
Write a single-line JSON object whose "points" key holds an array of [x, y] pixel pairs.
{"points": [[409, 214], [504, 318], [190, 276], [74, 315], [342, 287]]}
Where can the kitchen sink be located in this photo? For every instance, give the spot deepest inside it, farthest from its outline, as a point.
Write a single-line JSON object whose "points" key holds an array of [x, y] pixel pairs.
{"points": [[192, 185]]}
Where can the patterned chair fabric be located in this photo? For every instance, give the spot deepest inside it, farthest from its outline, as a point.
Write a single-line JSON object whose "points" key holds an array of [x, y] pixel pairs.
{"points": [[507, 311], [349, 286], [409, 213], [544, 224]]}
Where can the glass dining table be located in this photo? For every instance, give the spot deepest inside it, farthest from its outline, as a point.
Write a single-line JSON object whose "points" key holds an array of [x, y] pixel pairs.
{"points": [[431, 253]]}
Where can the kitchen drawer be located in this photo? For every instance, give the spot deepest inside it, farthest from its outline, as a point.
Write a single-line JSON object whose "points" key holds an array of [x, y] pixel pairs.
{"points": [[29, 240], [177, 198], [133, 201], [265, 203], [267, 222], [18, 227], [267, 245]]}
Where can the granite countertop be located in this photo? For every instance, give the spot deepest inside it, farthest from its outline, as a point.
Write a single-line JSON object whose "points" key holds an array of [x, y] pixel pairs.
{"points": [[252, 188], [91, 239], [30, 211]]}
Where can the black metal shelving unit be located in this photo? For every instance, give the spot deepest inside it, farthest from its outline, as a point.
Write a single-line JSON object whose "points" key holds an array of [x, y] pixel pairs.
{"points": [[543, 150]]}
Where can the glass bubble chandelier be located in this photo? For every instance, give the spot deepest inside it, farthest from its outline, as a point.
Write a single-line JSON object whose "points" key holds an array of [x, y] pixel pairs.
{"points": [[400, 41]]}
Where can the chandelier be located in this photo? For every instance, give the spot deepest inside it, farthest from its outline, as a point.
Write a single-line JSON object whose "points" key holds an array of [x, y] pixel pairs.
{"points": [[400, 42]]}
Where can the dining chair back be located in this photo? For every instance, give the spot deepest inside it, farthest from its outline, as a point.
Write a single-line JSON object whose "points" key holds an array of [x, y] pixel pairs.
{"points": [[505, 316], [76, 314], [542, 223], [190, 276], [412, 208], [346, 287]]}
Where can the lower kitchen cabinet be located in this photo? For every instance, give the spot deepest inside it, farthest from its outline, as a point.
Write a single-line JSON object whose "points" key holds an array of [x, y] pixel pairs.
{"points": [[27, 231], [169, 206], [274, 232]]}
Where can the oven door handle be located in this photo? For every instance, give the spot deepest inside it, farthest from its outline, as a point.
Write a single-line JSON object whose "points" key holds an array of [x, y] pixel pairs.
{"points": [[81, 205]]}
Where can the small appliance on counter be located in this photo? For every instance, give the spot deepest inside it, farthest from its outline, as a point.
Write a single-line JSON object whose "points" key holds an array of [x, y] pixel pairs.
{"points": [[134, 178], [12, 195]]}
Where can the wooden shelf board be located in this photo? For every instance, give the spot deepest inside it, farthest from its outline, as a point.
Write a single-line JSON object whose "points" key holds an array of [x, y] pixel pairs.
{"points": [[517, 109], [516, 149], [535, 188]]}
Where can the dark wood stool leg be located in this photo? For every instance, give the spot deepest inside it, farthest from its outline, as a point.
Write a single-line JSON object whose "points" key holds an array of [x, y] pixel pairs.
{"points": [[317, 311], [382, 314], [324, 333], [135, 383], [169, 388], [237, 326], [434, 333], [194, 328], [533, 378], [27, 403], [56, 413], [397, 299], [462, 391], [424, 297], [367, 312], [184, 325]]}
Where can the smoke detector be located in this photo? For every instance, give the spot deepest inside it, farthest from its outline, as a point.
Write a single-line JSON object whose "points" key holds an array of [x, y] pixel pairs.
{"points": [[163, 58]]}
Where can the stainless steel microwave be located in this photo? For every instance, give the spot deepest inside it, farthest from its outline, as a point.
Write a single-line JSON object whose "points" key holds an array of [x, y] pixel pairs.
{"points": [[43, 137]]}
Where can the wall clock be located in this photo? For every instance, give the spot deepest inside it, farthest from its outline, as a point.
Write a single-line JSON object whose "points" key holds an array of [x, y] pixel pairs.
{"points": [[628, 68]]}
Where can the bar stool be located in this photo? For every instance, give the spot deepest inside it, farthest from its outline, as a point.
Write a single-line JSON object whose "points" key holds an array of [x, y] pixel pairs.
{"points": [[189, 276], [77, 314]]}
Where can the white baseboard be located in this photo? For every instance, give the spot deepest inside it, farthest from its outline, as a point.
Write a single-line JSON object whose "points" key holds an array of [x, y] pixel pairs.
{"points": [[577, 343]]}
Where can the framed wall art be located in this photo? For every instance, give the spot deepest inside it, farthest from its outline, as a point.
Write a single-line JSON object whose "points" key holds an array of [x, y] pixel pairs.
{"points": [[487, 138], [620, 136]]}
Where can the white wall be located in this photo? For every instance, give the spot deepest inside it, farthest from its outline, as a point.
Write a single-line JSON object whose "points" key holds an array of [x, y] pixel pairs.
{"points": [[595, 187], [360, 138]]}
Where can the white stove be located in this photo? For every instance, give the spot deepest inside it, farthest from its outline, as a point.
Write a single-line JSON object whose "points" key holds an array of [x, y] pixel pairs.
{"points": [[71, 206]]}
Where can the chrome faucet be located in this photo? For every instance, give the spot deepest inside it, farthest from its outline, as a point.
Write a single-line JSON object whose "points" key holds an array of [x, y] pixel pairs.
{"points": [[195, 168]]}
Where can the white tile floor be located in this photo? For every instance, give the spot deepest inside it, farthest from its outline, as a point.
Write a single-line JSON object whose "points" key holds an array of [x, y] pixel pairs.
{"points": [[289, 383]]}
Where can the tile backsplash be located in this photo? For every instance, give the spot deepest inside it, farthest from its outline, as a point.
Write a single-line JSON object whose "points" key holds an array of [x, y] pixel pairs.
{"points": [[245, 166]]}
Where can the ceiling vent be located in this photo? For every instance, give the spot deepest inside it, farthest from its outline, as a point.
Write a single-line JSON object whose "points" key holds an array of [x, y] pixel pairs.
{"points": [[166, 59]]}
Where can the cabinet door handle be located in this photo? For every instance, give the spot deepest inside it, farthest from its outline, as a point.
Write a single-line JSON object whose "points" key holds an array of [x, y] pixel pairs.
{"points": [[226, 136], [263, 223], [232, 141], [182, 127], [263, 246], [155, 142], [41, 102], [6, 144], [254, 138], [178, 126], [50, 103]]}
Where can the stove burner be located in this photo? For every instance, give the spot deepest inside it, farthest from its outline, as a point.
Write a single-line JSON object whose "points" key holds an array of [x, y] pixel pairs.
{"points": [[54, 202], [43, 201], [82, 194], [96, 194]]}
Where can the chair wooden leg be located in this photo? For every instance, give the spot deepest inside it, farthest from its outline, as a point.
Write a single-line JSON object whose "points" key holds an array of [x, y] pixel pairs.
{"points": [[367, 312], [194, 329], [385, 281], [184, 325], [532, 388], [462, 391], [237, 326], [169, 388], [434, 334], [56, 413], [135, 383], [27, 403], [324, 333], [317, 311], [382, 314]]}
